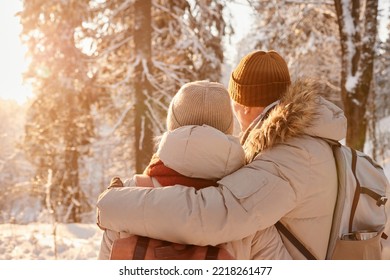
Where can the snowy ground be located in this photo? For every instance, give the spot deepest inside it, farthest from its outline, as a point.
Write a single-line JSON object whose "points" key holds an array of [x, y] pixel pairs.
{"points": [[36, 242]]}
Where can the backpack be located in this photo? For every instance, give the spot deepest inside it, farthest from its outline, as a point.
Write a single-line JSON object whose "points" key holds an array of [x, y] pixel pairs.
{"points": [[360, 218]]}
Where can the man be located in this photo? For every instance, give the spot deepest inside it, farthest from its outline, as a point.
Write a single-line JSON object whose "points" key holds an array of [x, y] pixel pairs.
{"points": [[290, 176]]}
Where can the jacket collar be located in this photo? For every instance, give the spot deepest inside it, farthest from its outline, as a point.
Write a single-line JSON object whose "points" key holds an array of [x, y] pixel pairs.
{"points": [[301, 111]]}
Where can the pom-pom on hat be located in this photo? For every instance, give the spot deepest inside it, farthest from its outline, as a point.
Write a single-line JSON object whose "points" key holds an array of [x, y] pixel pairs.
{"points": [[259, 79], [199, 103]]}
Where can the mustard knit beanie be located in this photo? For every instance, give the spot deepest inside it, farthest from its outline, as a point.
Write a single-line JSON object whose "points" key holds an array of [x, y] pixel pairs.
{"points": [[199, 103], [259, 79]]}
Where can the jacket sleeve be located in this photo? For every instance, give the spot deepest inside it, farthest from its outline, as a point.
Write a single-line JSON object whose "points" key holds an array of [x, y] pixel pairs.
{"points": [[108, 239], [246, 201]]}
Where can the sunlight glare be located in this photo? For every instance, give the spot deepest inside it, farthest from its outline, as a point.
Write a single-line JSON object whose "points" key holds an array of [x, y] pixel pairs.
{"points": [[12, 54]]}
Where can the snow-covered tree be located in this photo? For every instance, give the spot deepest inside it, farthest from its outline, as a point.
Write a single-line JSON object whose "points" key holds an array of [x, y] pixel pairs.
{"points": [[379, 102], [305, 33], [381, 78], [145, 50], [357, 21], [104, 73], [58, 126], [313, 36], [15, 170]]}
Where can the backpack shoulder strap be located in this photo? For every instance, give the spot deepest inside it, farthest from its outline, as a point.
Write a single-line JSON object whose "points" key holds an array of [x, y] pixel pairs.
{"points": [[298, 244], [357, 190]]}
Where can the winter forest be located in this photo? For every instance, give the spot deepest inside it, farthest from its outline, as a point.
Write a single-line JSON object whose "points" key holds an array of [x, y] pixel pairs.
{"points": [[102, 74]]}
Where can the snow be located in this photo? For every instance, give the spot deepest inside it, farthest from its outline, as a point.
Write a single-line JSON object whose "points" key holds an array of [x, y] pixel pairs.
{"points": [[352, 82], [349, 26], [36, 241], [349, 29]]}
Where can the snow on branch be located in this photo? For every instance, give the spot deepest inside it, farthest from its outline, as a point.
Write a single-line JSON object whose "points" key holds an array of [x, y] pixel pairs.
{"points": [[115, 46], [151, 78], [119, 121], [142, 134], [168, 11], [129, 73], [170, 70], [126, 4], [151, 113]]}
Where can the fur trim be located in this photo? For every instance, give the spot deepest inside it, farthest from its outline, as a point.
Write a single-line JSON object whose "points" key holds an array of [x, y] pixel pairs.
{"points": [[295, 112]]}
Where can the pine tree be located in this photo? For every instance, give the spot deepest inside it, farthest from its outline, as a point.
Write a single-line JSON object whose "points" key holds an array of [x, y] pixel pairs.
{"points": [[144, 52], [59, 126]]}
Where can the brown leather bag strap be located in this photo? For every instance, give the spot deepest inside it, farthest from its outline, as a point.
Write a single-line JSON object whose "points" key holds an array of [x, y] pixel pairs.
{"points": [[171, 251], [357, 190], [212, 253], [380, 199], [181, 251], [140, 248], [298, 244]]}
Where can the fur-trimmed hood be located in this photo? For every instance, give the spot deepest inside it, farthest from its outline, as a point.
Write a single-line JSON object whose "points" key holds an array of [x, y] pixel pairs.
{"points": [[302, 111]]}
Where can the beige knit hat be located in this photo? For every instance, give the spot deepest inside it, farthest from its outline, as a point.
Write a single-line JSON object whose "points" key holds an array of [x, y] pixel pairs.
{"points": [[201, 102], [259, 79]]}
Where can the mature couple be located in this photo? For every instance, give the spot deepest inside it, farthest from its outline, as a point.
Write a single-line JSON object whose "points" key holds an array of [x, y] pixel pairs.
{"points": [[203, 187]]}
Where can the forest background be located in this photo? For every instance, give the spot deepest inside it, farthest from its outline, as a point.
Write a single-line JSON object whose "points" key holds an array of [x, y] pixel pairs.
{"points": [[100, 74]]}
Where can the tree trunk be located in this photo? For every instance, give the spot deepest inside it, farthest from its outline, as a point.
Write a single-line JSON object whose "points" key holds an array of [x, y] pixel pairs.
{"points": [[143, 148], [71, 185], [357, 39]]}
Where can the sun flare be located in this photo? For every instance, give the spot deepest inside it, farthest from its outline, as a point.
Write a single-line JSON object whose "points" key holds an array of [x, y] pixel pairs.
{"points": [[12, 54]]}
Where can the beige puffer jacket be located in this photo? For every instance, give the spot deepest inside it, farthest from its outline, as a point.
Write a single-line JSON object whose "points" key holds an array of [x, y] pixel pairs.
{"points": [[205, 152], [292, 179]]}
